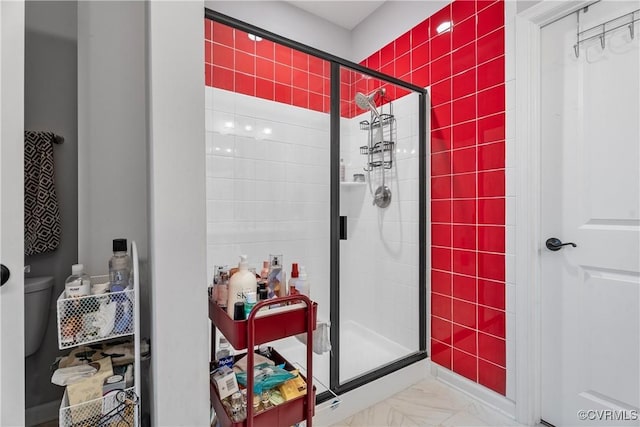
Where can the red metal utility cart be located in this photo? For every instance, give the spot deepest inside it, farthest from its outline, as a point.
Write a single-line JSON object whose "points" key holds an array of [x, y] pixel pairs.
{"points": [[259, 328]]}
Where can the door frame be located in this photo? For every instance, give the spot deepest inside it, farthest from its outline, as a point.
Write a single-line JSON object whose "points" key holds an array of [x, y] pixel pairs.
{"points": [[12, 387], [528, 215]]}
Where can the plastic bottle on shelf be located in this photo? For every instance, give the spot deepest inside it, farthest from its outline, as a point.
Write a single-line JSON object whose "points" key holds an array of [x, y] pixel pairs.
{"points": [[302, 284], [221, 288], [264, 273], [78, 284], [263, 293], [293, 280], [276, 283], [249, 303], [119, 266], [240, 283], [224, 355]]}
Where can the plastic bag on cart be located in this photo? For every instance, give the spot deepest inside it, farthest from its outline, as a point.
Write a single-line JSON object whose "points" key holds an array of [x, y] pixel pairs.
{"points": [[266, 376]]}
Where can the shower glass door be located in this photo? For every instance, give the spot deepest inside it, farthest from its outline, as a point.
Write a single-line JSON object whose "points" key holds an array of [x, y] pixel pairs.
{"points": [[379, 249]]}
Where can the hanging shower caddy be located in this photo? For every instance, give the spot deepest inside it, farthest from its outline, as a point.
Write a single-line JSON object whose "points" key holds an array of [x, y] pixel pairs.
{"points": [[377, 151]]}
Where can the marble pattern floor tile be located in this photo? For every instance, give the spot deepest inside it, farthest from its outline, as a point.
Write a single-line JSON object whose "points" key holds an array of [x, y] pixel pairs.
{"points": [[428, 403]]}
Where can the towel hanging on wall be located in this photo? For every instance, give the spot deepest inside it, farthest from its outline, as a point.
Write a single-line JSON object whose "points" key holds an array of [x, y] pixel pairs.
{"points": [[41, 211]]}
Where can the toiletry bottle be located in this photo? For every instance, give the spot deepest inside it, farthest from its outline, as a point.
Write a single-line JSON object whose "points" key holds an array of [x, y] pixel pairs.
{"points": [[239, 284], [238, 311], [224, 355], [293, 280], [119, 266], [263, 293], [249, 303], [264, 273], [78, 284], [275, 282], [302, 285], [222, 287], [342, 171]]}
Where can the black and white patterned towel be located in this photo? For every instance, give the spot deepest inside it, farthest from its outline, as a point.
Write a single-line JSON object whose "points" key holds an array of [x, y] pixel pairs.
{"points": [[41, 211]]}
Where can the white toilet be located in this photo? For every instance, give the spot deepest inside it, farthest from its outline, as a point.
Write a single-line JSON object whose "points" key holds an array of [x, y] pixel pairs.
{"points": [[37, 297]]}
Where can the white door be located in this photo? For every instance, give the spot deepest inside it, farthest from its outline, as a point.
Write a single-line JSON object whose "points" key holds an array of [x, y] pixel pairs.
{"points": [[11, 212], [590, 196]]}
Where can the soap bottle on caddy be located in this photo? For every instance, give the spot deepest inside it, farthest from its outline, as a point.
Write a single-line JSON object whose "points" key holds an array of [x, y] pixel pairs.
{"points": [[240, 284], [120, 280], [76, 286]]}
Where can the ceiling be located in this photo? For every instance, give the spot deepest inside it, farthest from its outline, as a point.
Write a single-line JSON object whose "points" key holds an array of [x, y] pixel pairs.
{"points": [[346, 14]]}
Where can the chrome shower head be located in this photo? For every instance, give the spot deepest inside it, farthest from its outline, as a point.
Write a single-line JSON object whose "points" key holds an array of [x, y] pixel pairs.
{"points": [[366, 102]]}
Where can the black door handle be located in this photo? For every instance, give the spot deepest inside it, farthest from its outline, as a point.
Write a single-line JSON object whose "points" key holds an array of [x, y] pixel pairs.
{"points": [[5, 274], [555, 244]]}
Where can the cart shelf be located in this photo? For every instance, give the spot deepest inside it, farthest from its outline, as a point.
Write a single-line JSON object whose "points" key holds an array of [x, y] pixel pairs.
{"points": [[274, 324], [288, 413]]}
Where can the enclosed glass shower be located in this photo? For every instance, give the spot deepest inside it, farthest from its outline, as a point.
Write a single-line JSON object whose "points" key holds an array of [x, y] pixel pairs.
{"points": [[324, 162]]}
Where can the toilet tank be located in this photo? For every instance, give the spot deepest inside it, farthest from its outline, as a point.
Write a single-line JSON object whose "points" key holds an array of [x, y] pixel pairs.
{"points": [[37, 303]]}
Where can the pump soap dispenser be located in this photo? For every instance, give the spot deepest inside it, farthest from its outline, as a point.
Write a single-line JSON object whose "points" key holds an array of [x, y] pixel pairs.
{"points": [[240, 283]]}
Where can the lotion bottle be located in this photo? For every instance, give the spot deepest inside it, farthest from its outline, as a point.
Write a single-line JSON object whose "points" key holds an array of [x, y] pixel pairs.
{"points": [[240, 284]]}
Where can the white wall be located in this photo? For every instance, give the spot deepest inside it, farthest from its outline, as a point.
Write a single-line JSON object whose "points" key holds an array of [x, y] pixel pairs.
{"points": [[112, 152], [177, 214], [387, 23], [268, 194], [288, 21]]}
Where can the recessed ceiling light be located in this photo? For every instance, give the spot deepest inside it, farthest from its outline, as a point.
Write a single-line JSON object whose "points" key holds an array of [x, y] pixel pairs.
{"points": [[248, 128], [228, 124], [445, 26], [267, 131], [254, 37]]}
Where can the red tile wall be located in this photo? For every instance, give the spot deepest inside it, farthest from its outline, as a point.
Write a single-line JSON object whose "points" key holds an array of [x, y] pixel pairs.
{"points": [[465, 68], [264, 69]]}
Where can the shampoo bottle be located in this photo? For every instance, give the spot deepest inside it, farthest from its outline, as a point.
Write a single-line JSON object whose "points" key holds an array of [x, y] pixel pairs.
{"points": [[240, 283]]}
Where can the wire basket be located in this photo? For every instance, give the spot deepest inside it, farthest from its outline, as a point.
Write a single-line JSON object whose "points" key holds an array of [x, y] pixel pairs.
{"points": [[94, 318], [118, 408], [385, 119], [378, 147]]}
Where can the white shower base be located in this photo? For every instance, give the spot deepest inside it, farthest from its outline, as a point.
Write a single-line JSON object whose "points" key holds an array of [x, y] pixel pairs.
{"points": [[361, 350]]}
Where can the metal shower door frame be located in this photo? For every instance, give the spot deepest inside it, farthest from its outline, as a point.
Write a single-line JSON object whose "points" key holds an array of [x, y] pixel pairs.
{"points": [[337, 62]]}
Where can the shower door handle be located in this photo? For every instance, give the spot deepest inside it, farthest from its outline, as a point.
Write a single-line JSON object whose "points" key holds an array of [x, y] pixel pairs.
{"points": [[343, 228], [5, 275]]}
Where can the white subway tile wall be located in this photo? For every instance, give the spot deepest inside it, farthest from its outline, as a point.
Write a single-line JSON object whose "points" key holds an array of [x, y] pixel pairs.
{"points": [[268, 176]]}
